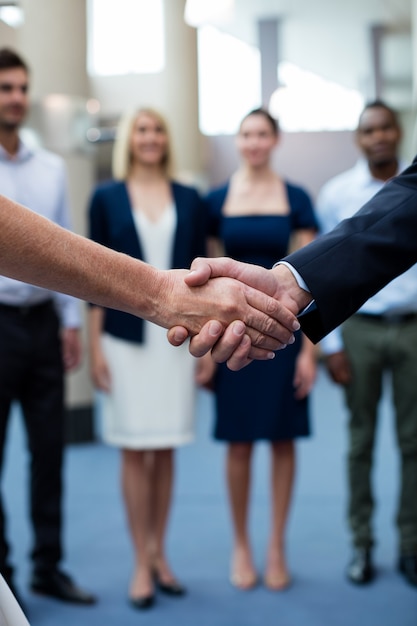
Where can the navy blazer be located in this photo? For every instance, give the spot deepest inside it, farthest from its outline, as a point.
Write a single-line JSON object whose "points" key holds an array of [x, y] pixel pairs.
{"points": [[112, 224], [361, 255]]}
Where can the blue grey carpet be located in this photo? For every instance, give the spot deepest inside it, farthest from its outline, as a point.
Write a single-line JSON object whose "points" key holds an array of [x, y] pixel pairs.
{"points": [[99, 554]]}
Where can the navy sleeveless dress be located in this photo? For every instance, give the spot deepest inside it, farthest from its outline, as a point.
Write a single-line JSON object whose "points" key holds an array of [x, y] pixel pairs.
{"points": [[258, 403]]}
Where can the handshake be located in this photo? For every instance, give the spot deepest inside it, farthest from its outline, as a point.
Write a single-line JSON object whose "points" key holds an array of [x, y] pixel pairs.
{"points": [[238, 311]]}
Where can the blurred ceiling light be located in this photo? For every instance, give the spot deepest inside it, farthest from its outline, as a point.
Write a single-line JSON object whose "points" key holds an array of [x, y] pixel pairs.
{"points": [[11, 14], [93, 106], [200, 12], [56, 102]]}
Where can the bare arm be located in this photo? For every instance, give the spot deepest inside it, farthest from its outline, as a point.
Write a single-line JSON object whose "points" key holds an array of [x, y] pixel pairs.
{"points": [[35, 250]]}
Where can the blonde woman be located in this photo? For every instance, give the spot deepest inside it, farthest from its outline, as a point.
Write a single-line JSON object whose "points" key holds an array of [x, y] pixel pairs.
{"points": [[148, 385]]}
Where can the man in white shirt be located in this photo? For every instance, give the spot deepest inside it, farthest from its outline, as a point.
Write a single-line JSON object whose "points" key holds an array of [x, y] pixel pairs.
{"points": [[379, 338], [39, 338]]}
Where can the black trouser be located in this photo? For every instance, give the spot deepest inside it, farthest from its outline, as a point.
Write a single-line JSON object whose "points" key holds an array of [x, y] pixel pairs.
{"points": [[31, 372]]}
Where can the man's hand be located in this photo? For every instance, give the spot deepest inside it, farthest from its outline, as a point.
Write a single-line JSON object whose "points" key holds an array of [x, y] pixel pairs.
{"points": [[269, 324], [338, 367], [278, 282], [234, 346]]}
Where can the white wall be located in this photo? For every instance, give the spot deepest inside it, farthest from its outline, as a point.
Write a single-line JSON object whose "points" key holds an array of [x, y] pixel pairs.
{"points": [[173, 91]]}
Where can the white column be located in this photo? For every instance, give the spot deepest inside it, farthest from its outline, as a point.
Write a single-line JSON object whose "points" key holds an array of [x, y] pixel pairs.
{"points": [[53, 42], [53, 39]]}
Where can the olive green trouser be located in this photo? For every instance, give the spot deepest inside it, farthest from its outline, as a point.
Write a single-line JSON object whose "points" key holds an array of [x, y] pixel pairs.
{"points": [[374, 347]]}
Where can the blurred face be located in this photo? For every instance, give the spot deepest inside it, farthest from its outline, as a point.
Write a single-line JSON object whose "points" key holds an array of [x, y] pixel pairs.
{"points": [[149, 141], [378, 136], [256, 140], [14, 101]]}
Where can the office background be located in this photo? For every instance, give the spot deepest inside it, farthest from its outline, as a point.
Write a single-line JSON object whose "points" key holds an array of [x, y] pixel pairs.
{"points": [[364, 48]]}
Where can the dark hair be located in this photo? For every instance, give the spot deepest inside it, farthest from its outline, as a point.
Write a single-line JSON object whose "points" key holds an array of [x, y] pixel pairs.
{"points": [[9, 59], [272, 121], [379, 104]]}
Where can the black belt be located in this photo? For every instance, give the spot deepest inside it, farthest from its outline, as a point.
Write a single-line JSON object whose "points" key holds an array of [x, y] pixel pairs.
{"points": [[389, 318], [23, 310]]}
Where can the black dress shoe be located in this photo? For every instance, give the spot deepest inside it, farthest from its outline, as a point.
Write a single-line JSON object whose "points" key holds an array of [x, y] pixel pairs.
{"points": [[407, 565], [58, 585], [142, 603], [360, 570], [173, 588]]}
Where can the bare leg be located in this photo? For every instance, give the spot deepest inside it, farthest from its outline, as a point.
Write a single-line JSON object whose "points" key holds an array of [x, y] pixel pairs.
{"points": [[283, 467], [243, 574], [136, 485], [162, 483]]}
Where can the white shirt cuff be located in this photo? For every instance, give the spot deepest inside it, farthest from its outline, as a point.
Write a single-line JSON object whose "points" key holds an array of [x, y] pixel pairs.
{"points": [[300, 280], [301, 283]]}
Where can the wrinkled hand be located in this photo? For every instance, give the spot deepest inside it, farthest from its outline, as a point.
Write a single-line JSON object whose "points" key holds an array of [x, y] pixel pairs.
{"points": [[338, 367], [269, 325], [233, 345], [278, 282]]}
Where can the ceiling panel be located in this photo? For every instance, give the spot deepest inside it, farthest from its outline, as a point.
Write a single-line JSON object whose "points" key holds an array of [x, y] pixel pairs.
{"points": [[333, 38]]}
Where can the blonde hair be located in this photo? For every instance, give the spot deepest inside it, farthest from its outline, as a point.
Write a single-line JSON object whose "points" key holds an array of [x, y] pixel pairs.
{"points": [[122, 158]]}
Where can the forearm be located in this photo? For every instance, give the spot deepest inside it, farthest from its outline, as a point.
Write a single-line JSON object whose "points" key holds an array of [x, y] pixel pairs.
{"points": [[35, 250]]}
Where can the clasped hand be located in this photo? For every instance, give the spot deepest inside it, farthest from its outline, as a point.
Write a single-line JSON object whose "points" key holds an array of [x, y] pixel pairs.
{"points": [[274, 298]]}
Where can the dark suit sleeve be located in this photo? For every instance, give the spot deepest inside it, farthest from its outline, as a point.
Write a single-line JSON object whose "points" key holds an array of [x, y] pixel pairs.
{"points": [[361, 255]]}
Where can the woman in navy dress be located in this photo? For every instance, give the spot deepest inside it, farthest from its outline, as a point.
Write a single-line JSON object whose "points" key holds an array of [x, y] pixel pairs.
{"points": [[255, 217]]}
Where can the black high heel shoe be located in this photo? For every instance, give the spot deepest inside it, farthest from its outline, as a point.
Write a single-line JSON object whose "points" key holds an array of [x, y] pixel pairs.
{"points": [[173, 588], [142, 602]]}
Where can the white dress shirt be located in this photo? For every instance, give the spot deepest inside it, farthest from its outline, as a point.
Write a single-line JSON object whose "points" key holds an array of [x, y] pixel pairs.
{"points": [[37, 179], [339, 199]]}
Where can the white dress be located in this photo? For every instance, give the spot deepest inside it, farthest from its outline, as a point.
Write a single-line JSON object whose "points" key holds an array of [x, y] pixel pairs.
{"points": [[151, 404]]}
